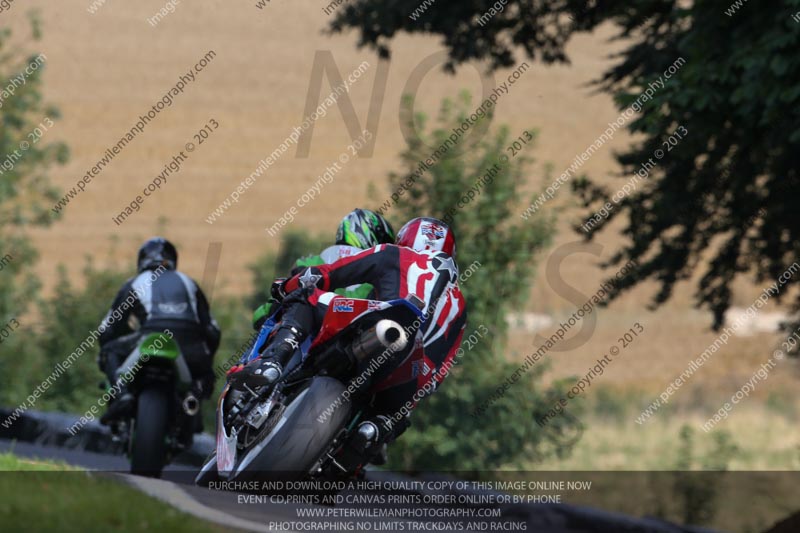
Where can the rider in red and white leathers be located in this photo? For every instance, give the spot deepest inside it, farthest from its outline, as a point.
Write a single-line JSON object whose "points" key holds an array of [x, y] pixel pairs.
{"points": [[420, 264]]}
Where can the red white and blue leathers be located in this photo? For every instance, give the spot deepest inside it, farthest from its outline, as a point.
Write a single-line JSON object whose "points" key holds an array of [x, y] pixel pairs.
{"points": [[397, 272]]}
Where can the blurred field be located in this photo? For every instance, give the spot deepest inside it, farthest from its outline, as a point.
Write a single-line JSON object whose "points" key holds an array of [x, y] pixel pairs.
{"points": [[106, 69]]}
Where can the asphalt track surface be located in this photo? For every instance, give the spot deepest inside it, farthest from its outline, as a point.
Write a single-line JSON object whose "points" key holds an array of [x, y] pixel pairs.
{"points": [[244, 512]]}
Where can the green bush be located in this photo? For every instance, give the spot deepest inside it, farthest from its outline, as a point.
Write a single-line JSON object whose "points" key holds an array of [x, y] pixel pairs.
{"points": [[68, 317]]}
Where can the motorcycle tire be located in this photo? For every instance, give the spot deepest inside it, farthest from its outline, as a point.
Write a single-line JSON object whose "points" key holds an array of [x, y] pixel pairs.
{"points": [[149, 447]]}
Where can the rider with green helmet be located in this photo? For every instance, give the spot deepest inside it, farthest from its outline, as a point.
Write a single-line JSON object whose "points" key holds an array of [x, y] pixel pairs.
{"points": [[359, 230]]}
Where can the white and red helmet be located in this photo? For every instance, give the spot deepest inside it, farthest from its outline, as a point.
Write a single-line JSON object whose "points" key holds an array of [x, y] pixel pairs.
{"points": [[426, 233]]}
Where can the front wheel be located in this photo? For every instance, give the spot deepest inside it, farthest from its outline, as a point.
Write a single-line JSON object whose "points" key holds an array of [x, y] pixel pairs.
{"points": [[149, 447]]}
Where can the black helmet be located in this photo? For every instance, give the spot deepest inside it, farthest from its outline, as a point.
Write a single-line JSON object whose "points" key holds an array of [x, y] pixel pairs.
{"points": [[157, 252], [364, 229]]}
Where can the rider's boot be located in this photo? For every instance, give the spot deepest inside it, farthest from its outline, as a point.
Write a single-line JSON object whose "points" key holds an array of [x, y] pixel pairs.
{"points": [[268, 368], [291, 333]]}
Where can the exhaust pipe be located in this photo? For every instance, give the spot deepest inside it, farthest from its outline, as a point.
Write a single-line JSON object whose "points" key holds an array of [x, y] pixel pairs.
{"points": [[386, 334], [391, 335], [191, 405]]}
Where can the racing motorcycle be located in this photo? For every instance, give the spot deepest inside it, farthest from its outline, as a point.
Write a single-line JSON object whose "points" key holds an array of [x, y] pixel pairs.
{"points": [[305, 424], [166, 406]]}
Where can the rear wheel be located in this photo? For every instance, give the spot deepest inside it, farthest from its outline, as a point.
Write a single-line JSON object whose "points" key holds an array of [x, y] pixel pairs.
{"points": [[149, 450], [304, 432]]}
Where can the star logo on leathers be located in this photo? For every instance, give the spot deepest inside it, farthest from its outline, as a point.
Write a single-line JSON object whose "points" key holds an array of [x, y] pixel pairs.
{"points": [[308, 279], [449, 266]]}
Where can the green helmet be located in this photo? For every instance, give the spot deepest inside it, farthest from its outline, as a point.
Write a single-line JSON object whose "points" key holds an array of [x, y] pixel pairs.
{"points": [[364, 229]]}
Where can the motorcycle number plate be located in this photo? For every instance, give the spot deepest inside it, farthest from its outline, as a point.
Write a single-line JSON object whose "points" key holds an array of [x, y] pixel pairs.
{"points": [[226, 447], [226, 453]]}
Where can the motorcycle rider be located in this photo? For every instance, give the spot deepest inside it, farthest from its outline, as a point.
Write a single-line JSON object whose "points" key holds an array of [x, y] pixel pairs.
{"points": [[359, 230], [422, 264], [162, 299]]}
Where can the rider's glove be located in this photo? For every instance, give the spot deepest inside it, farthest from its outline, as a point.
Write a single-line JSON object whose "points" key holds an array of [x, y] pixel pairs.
{"points": [[277, 290]]}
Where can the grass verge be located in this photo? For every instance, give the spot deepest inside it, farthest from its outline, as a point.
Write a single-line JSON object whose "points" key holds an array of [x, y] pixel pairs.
{"points": [[49, 496]]}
